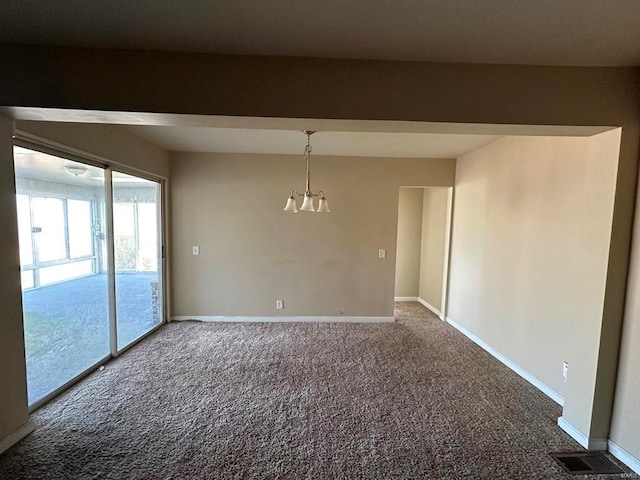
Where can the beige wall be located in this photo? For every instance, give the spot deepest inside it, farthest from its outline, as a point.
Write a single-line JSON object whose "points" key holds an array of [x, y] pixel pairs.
{"points": [[173, 82], [604, 148], [408, 242], [252, 253], [529, 257], [13, 386], [434, 223], [625, 425]]}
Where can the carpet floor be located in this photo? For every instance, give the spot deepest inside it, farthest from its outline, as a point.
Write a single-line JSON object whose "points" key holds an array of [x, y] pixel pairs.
{"points": [[412, 399]]}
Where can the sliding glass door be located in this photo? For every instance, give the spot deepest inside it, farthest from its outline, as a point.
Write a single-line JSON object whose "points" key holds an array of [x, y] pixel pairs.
{"points": [[137, 246], [61, 227], [91, 265]]}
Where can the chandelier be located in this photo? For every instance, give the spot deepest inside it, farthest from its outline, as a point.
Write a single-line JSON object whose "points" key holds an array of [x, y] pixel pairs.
{"points": [[307, 202]]}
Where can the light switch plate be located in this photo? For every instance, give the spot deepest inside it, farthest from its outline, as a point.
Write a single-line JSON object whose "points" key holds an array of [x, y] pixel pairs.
{"points": [[382, 253], [195, 250]]}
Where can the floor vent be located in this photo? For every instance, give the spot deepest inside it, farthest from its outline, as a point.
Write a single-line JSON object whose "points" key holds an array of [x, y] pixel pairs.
{"points": [[586, 463]]}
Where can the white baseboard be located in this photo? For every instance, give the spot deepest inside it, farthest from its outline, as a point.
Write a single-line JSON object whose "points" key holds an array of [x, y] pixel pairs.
{"points": [[573, 432], [544, 388], [625, 457], [421, 301], [590, 443], [15, 436], [430, 307], [216, 318]]}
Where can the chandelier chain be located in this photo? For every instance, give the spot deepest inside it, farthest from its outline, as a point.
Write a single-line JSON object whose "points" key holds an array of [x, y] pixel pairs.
{"points": [[307, 149]]}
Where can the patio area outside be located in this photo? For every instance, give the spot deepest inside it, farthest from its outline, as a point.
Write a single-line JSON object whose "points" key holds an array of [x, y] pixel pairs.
{"points": [[67, 325]]}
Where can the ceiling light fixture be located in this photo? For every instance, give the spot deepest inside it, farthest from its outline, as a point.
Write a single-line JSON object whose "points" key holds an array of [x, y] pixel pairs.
{"points": [[307, 203], [76, 170]]}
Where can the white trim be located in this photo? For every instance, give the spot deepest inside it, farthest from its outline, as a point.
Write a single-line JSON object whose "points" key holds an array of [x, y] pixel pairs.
{"points": [[405, 299], [598, 443], [590, 443], [15, 436], [544, 388], [573, 432], [216, 318], [430, 307], [625, 457]]}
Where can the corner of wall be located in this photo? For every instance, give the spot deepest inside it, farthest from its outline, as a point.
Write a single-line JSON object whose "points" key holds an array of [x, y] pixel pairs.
{"points": [[14, 437]]}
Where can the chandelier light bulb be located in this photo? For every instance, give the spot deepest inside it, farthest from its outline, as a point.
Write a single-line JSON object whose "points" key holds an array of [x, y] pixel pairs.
{"points": [[307, 203], [291, 205], [323, 205]]}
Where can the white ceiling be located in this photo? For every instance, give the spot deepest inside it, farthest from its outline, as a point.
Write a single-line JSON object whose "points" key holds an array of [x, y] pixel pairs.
{"points": [[363, 144], [536, 32]]}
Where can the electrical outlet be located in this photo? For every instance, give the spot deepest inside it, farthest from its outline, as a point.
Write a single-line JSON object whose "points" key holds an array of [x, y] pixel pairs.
{"points": [[565, 370], [279, 304]]}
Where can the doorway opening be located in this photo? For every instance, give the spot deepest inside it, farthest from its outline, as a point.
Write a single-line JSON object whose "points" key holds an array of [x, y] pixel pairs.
{"points": [[424, 225]]}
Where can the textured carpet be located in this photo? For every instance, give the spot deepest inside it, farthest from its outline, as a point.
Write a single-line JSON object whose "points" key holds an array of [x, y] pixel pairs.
{"points": [[412, 399]]}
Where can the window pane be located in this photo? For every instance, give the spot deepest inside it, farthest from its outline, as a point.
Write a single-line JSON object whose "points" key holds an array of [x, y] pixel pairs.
{"points": [[80, 231], [148, 237], [24, 230], [66, 315], [136, 236], [124, 236], [26, 279], [67, 271], [48, 220]]}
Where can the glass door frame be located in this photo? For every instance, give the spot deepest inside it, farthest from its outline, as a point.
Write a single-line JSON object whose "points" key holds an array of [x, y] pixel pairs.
{"points": [[162, 262], [37, 144]]}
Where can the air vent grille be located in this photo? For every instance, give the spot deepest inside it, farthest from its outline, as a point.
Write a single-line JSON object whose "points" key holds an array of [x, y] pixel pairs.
{"points": [[581, 463]]}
